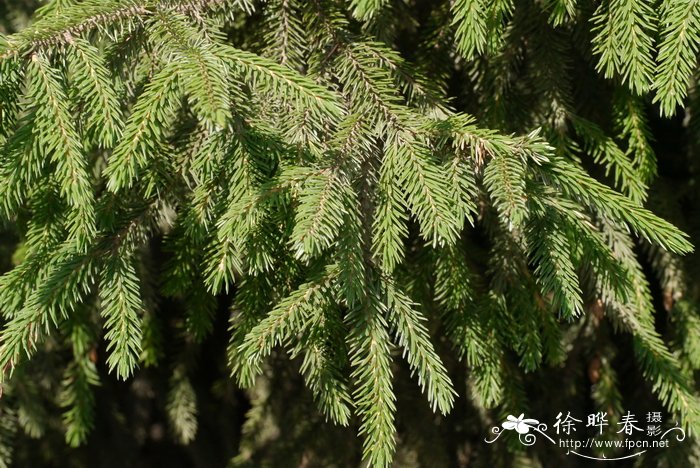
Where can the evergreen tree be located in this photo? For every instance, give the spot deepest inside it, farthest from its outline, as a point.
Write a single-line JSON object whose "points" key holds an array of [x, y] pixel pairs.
{"points": [[321, 233]]}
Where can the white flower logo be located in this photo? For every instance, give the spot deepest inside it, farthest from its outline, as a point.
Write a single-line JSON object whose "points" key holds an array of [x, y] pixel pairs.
{"points": [[521, 425]]}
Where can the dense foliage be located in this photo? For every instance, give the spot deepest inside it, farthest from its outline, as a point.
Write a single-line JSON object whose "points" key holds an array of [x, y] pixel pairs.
{"points": [[259, 222]]}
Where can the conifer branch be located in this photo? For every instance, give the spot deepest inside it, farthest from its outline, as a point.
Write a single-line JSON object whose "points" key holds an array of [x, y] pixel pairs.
{"points": [[624, 41], [143, 133], [374, 397], [121, 307], [680, 36], [418, 349]]}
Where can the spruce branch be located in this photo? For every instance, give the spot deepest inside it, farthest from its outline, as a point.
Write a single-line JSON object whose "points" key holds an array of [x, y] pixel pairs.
{"points": [[289, 317], [414, 338], [574, 182], [56, 138], [96, 91], [143, 133], [680, 36], [470, 20], [373, 395], [624, 41], [121, 306]]}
